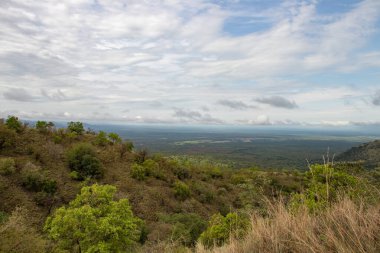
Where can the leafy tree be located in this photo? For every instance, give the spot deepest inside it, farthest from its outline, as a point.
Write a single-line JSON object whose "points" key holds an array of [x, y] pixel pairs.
{"points": [[14, 123], [114, 137], [82, 158], [76, 127], [43, 126], [95, 222], [221, 228], [101, 139]]}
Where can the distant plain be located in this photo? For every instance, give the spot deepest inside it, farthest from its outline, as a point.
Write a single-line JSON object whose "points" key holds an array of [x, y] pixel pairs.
{"points": [[265, 147]]}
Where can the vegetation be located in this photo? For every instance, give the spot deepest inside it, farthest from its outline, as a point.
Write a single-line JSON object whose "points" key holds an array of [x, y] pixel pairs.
{"points": [[95, 222], [7, 166], [67, 179], [83, 160], [221, 229], [75, 127], [14, 123]]}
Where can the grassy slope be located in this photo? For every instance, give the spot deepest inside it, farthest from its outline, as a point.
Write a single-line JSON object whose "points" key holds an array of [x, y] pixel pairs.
{"points": [[368, 152], [210, 193]]}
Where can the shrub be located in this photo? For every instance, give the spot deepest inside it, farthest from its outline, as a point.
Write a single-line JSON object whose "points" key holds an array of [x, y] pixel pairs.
{"points": [[101, 139], [44, 199], [138, 172], [75, 175], [7, 138], [126, 146], [325, 183], [181, 172], [187, 227], [14, 123], [57, 139], [43, 126], [3, 217], [140, 156], [114, 137], [181, 190], [36, 181], [82, 159], [95, 222], [76, 127], [7, 166], [215, 172], [221, 228]]}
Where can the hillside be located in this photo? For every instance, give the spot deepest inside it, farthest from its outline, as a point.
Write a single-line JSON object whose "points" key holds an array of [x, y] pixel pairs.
{"points": [[369, 153], [177, 202]]}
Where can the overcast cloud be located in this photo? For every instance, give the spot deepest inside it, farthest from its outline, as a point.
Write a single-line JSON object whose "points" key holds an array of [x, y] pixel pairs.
{"points": [[134, 61]]}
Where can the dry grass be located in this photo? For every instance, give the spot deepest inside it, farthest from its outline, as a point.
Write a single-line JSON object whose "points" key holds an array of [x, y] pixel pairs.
{"points": [[346, 227]]}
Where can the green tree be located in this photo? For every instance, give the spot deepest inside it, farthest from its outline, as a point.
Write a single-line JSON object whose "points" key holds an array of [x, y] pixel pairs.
{"points": [[114, 137], [14, 123], [43, 126], [95, 222], [101, 139], [82, 158], [76, 127], [221, 228]]}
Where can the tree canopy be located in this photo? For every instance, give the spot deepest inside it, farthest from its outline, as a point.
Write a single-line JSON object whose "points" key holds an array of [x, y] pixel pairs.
{"points": [[95, 222]]}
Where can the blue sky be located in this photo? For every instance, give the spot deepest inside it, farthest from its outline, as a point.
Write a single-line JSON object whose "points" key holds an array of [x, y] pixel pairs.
{"points": [[192, 62]]}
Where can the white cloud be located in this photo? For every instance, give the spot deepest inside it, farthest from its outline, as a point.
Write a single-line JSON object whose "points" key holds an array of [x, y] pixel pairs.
{"points": [[148, 57]]}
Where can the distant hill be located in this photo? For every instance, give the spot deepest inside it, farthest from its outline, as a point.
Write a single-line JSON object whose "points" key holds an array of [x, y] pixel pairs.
{"points": [[369, 153]]}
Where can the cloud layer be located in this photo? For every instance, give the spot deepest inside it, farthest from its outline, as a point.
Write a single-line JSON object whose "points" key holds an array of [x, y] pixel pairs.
{"points": [[194, 62]]}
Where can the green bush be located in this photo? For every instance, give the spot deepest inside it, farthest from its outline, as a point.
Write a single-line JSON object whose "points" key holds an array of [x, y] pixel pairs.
{"points": [[36, 181], [82, 158], [7, 166], [221, 228], [181, 172], [324, 185], [95, 222], [75, 175], [186, 227], [101, 139], [114, 138], [215, 172], [139, 172], [7, 138], [43, 126], [14, 123], [181, 190], [3, 217], [75, 127]]}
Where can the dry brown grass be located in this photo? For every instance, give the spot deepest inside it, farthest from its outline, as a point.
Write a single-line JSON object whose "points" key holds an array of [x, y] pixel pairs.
{"points": [[346, 227]]}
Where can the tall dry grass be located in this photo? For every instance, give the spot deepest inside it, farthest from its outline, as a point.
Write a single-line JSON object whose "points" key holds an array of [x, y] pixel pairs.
{"points": [[345, 227]]}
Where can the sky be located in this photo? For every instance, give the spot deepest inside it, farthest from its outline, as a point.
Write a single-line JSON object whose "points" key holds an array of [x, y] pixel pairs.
{"points": [[247, 62]]}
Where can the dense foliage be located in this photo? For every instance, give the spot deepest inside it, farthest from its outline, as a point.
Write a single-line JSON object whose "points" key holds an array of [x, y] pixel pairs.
{"points": [[83, 160], [95, 222]]}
